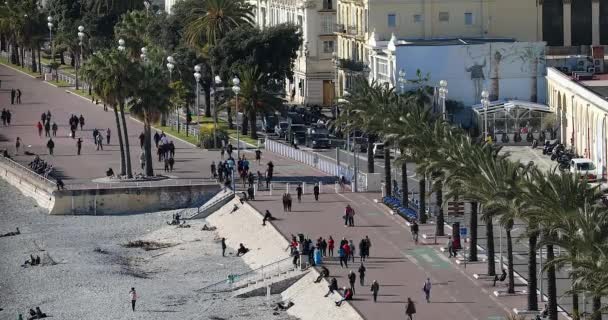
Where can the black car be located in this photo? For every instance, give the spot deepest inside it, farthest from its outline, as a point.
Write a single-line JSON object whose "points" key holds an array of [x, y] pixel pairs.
{"points": [[297, 133]]}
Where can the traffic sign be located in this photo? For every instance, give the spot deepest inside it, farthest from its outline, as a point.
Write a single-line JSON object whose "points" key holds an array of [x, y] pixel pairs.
{"points": [[463, 231], [455, 208]]}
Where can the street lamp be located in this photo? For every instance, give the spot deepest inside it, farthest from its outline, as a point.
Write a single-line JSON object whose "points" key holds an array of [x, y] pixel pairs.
{"points": [[170, 66], [121, 45], [197, 77], [443, 92], [236, 88], [217, 83], [485, 102], [143, 54], [80, 56], [50, 25], [402, 80]]}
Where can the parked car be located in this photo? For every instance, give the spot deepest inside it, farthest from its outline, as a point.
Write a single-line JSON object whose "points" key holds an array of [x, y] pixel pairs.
{"points": [[298, 134], [378, 150], [269, 122], [317, 137], [584, 168], [281, 129]]}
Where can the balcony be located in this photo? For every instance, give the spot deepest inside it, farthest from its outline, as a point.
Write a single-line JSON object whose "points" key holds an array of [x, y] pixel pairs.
{"points": [[352, 30], [351, 65], [339, 28]]}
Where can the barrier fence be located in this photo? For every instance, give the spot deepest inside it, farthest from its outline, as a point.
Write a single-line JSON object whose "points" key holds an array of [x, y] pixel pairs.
{"points": [[310, 159], [29, 172]]}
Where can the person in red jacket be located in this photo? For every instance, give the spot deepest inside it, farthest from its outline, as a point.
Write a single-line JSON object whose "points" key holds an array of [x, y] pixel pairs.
{"points": [[39, 126], [330, 246], [348, 295]]}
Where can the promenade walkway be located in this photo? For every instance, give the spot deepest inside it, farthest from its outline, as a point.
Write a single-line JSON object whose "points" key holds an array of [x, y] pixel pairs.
{"points": [[398, 264]]}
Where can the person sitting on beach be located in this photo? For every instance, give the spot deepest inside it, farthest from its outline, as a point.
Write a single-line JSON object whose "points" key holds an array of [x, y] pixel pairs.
{"points": [[333, 286], [31, 261], [267, 217], [206, 228], [110, 173], [39, 313], [348, 295], [323, 274], [283, 305], [242, 250], [183, 225], [174, 220], [234, 209], [8, 234], [32, 315]]}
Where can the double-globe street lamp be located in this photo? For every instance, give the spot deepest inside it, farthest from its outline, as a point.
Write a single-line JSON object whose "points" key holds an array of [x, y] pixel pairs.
{"points": [[143, 56], [217, 82], [50, 25], [80, 56], [485, 102], [236, 88], [170, 67], [121, 45], [197, 77], [443, 92]]}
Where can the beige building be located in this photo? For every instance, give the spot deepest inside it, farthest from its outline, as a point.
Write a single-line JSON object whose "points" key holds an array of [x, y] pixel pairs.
{"points": [[313, 80], [568, 26], [581, 109]]}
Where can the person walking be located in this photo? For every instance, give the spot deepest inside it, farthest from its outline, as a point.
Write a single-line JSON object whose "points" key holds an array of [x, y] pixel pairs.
{"points": [[142, 140], [368, 245], [222, 151], [54, 129], [18, 96], [99, 142], [79, 145], [450, 246], [315, 190], [346, 249], [410, 309], [8, 117], [50, 145], [47, 129], [17, 145], [330, 246], [171, 163], [299, 193], [374, 289], [39, 126], [223, 247], [353, 249], [133, 295], [81, 122], [108, 135], [352, 277], [427, 290], [258, 156], [362, 274], [213, 170], [341, 255], [43, 117], [362, 249], [13, 93], [284, 198], [414, 229]]}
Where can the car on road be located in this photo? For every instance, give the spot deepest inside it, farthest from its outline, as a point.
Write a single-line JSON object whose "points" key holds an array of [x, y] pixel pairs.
{"points": [[584, 168], [317, 137], [281, 129], [378, 150], [298, 134]]}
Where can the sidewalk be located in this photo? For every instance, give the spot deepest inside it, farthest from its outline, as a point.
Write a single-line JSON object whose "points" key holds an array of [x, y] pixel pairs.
{"points": [[396, 262]]}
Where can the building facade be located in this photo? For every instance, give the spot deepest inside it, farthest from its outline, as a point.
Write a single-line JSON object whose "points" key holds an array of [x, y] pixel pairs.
{"points": [[581, 109], [313, 80], [567, 26]]}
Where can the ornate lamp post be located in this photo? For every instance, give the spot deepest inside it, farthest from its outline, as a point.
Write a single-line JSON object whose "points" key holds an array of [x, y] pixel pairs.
{"points": [[143, 55], [443, 92], [197, 77], [217, 82], [50, 25], [236, 88], [402, 80], [121, 45], [170, 67], [485, 102], [80, 56]]}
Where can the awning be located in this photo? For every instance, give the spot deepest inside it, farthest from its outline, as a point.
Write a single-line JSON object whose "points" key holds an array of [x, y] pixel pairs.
{"points": [[508, 105]]}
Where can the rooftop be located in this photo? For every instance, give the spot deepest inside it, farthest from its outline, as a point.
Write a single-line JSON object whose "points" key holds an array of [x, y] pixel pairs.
{"points": [[450, 41]]}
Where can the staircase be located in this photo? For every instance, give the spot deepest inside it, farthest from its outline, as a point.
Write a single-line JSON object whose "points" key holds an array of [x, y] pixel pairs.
{"points": [[215, 203]]}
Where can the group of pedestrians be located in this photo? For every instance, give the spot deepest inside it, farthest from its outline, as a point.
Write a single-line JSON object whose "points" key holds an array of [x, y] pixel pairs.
{"points": [[98, 138], [74, 121], [15, 96], [6, 117]]}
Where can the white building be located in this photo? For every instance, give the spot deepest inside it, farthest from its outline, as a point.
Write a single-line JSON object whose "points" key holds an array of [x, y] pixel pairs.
{"points": [[314, 74]]}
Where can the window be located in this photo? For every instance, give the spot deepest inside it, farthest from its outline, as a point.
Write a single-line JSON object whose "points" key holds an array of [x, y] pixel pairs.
{"points": [[468, 18], [328, 46], [444, 16], [327, 24], [328, 4], [417, 18], [300, 20], [392, 20]]}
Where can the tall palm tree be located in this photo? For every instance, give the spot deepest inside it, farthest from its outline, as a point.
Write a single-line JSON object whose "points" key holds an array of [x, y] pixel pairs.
{"points": [[557, 194], [150, 99], [208, 23], [133, 28], [111, 73]]}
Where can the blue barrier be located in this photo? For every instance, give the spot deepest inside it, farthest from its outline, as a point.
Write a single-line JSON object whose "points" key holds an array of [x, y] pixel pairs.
{"points": [[395, 204]]}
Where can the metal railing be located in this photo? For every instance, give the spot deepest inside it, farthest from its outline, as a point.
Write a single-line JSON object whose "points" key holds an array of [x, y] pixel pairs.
{"points": [[61, 76], [310, 159], [141, 184], [193, 129], [261, 274], [29, 172]]}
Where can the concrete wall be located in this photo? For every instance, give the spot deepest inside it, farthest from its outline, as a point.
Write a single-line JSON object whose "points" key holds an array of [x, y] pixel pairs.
{"points": [[34, 187], [244, 226], [132, 199]]}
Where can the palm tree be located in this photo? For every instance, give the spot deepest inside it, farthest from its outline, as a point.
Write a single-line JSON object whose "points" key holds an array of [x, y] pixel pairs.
{"points": [[557, 194], [150, 99], [208, 23], [110, 73], [255, 96], [133, 28]]}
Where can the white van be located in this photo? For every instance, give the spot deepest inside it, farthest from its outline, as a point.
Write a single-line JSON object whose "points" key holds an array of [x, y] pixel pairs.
{"points": [[584, 167]]}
